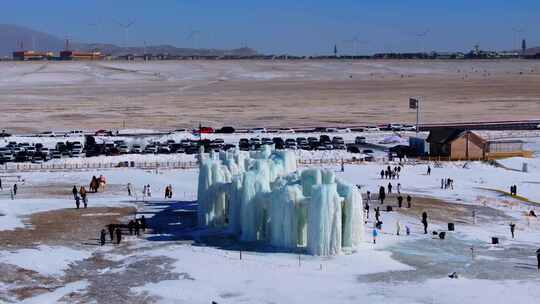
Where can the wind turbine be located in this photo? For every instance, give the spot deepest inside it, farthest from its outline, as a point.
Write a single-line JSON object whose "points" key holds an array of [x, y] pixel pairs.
{"points": [[422, 36], [126, 26], [517, 31]]}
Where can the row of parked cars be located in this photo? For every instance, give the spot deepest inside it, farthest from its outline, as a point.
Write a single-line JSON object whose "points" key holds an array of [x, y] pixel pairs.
{"points": [[37, 153], [323, 142]]}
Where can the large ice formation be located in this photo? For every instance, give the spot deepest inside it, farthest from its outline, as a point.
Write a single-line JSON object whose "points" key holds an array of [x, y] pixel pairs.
{"points": [[261, 196]]}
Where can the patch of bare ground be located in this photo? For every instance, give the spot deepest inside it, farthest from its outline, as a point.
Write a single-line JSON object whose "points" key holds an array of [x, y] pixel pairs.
{"points": [[64, 227], [441, 211]]}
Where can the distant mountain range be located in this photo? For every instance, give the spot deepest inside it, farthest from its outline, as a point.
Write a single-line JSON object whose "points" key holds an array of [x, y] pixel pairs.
{"points": [[12, 35]]}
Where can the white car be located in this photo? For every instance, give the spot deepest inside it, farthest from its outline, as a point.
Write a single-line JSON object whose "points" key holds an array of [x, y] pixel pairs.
{"points": [[372, 129], [257, 130], [286, 130], [408, 128], [47, 134], [74, 133]]}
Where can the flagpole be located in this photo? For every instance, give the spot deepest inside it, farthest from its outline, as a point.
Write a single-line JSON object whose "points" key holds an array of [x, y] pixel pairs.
{"points": [[417, 116]]}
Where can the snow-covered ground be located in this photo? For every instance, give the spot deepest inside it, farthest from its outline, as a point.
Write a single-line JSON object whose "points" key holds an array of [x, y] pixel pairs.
{"points": [[398, 269]]}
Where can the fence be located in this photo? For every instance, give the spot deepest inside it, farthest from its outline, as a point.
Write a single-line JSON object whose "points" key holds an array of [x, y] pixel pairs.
{"points": [[29, 167]]}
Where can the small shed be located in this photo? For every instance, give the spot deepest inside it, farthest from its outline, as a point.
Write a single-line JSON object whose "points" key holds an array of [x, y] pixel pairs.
{"points": [[456, 144]]}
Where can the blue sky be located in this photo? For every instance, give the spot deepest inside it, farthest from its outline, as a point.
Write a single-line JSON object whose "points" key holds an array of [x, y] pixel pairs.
{"points": [[294, 26]]}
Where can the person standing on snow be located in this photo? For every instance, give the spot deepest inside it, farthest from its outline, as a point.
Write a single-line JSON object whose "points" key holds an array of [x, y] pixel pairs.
{"points": [[400, 201], [398, 227], [129, 189], [74, 191], [102, 237], [15, 189], [512, 229], [170, 191], [538, 258], [382, 194], [382, 174], [409, 200], [111, 231], [77, 201], [375, 233], [118, 235], [389, 188], [148, 191], [428, 170], [368, 197], [137, 227], [166, 191], [424, 221]]}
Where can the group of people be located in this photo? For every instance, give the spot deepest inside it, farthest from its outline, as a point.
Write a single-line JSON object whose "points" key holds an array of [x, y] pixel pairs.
{"points": [[134, 227], [513, 190], [391, 173], [97, 183], [83, 195], [13, 189], [147, 191], [447, 183]]}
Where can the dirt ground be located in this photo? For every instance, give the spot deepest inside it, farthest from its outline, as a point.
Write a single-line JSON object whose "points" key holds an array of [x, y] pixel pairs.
{"points": [[66, 227], [167, 95]]}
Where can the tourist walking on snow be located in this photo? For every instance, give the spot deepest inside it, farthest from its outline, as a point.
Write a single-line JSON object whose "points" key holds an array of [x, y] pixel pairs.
{"points": [[129, 189], [368, 197], [409, 200], [170, 191], [102, 237], [148, 191], [382, 174], [389, 188], [398, 227], [111, 231], [77, 201], [118, 235], [424, 221], [375, 233], [143, 223], [382, 194], [400, 201], [74, 191], [377, 214], [428, 170], [512, 229], [538, 258], [15, 189], [137, 227], [131, 226]]}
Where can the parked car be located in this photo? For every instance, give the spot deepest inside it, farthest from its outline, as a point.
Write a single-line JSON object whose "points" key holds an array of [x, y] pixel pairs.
{"points": [[395, 127], [74, 133], [203, 130], [372, 129], [103, 133], [286, 130], [47, 134], [136, 149], [408, 128], [360, 140], [226, 130], [257, 130]]}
